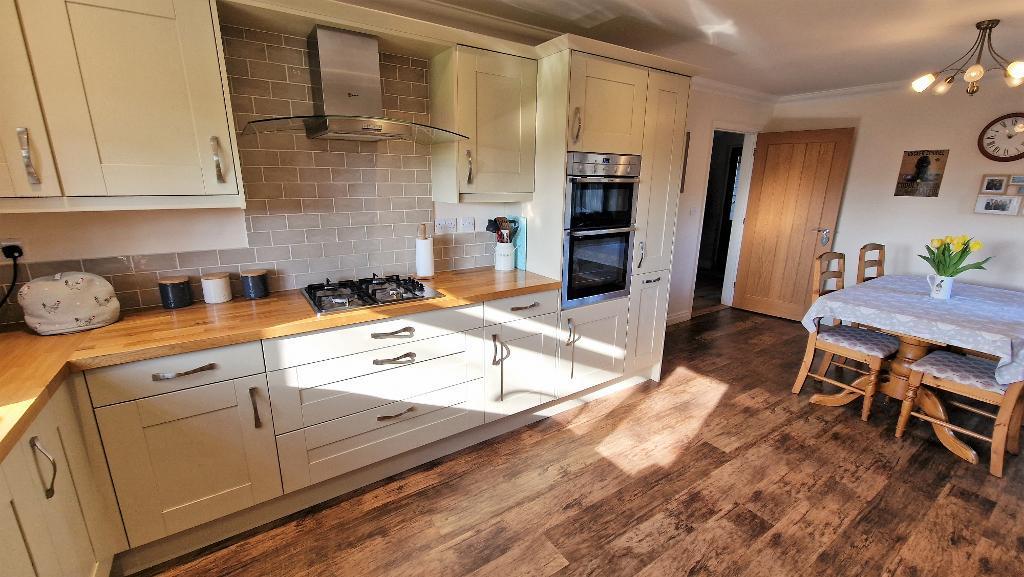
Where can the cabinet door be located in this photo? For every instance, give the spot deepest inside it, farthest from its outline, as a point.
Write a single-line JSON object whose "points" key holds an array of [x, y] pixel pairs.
{"points": [[591, 346], [520, 370], [185, 458], [497, 110], [14, 547], [607, 99], [661, 171], [648, 310], [133, 94], [21, 119]]}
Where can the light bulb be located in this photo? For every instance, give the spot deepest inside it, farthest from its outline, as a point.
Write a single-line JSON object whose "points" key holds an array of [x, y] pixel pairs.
{"points": [[974, 73], [1011, 81], [922, 83], [1016, 69], [944, 86]]}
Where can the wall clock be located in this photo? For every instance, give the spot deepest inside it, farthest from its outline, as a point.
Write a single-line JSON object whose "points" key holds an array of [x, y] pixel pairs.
{"points": [[1002, 139]]}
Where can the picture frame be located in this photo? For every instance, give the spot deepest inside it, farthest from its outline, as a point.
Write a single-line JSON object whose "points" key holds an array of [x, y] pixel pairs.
{"points": [[994, 183], [1001, 204], [1016, 189], [1017, 180]]}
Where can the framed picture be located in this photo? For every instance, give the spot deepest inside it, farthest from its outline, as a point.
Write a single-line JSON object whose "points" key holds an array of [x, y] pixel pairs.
{"points": [[1017, 180], [1017, 189], [921, 173], [998, 204], [994, 183]]}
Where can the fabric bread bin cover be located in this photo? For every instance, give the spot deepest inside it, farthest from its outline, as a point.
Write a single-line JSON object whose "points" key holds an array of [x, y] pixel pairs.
{"points": [[68, 302]]}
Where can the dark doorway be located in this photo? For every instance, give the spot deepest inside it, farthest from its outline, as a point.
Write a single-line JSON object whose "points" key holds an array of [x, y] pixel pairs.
{"points": [[726, 154]]}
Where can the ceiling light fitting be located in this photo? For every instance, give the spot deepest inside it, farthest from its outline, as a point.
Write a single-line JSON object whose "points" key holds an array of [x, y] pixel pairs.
{"points": [[970, 67]]}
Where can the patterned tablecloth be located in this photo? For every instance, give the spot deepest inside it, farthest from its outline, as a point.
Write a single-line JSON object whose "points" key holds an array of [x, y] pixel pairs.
{"points": [[978, 318]]}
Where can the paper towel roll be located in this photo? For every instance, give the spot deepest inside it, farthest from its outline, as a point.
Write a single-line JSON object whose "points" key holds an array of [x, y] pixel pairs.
{"points": [[424, 257]]}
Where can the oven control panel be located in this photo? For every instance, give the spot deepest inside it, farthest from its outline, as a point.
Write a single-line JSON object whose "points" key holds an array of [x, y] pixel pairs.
{"points": [[593, 164]]}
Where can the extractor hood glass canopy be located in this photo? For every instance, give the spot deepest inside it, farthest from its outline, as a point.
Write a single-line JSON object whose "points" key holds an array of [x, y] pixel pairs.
{"points": [[365, 128]]}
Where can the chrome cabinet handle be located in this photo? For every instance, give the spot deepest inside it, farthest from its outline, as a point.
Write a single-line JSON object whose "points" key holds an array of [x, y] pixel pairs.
{"points": [[495, 361], [534, 305], [218, 169], [643, 253], [26, 156], [826, 235], [578, 116], [257, 422], [605, 179], [579, 233], [169, 376], [402, 333], [652, 280], [36, 445], [572, 329], [469, 161], [396, 415], [399, 360]]}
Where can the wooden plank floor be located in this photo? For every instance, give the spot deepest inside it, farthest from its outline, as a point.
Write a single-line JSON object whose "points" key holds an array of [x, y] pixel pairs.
{"points": [[718, 470]]}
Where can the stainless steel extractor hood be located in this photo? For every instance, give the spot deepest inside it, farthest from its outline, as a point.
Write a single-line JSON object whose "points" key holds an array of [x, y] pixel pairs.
{"points": [[347, 100]]}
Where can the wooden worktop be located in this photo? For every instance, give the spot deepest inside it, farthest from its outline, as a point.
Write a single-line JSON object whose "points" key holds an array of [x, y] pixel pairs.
{"points": [[32, 367]]}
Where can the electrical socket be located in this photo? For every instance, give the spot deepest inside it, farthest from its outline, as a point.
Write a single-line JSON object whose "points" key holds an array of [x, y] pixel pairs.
{"points": [[11, 242], [467, 224], [445, 225]]}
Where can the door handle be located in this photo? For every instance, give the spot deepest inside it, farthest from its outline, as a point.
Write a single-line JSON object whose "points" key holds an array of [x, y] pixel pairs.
{"points": [[217, 167], [826, 235], [402, 333], [534, 305], [578, 116], [652, 280], [396, 415], [399, 360], [169, 376], [469, 161], [643, 252], [26, 156], [579, 233], [37, 446], [257, 422]]}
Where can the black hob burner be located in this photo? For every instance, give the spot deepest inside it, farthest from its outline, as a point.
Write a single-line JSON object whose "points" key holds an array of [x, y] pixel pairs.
{"points": [[336, 296]]}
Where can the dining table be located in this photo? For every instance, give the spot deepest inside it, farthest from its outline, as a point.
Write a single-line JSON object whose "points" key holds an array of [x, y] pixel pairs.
{"points": [[977, 319]]}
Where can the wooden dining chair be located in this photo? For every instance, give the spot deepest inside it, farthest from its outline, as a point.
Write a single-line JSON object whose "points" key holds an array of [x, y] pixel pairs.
{"points": [[876, 264], [838, 340], [974, 378]]}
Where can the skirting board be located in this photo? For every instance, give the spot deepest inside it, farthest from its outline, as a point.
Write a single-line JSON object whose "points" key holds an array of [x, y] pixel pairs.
{"points": [[135, 560], [678, 318]]}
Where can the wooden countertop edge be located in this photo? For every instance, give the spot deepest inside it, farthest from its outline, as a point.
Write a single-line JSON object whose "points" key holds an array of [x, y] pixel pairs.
{"points": [[29, 412]]}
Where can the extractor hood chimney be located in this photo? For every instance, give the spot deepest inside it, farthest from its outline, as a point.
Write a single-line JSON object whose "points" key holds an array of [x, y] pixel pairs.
{"points": [[347, 100]]}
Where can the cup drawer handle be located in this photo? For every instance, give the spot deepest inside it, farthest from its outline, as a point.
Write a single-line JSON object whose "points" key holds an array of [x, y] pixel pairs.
{"points": [[402, 333], [396, 415], [399, 360], [534, 305], [169, 376]]}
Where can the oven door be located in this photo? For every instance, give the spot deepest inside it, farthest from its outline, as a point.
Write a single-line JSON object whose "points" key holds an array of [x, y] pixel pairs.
{"points": [[596, 265], [594, 203]]}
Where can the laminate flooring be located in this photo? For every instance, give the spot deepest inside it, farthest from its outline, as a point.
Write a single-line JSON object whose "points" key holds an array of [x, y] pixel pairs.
{"points": [[717, 470]]}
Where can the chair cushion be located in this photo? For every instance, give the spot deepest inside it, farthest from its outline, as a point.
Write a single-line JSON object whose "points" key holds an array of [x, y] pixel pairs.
{"points": [[962, 369], [861, 340]]}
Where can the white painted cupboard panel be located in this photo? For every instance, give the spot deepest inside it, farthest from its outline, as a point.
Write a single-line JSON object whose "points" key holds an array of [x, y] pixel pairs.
{"points": [[133, 95], [661, 171], [648, 311], [592, 345], [607, 99], [520, 367], [14, 547], [181, 459]]}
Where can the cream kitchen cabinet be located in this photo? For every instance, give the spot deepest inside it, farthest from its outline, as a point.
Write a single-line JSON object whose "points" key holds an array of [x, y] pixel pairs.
{"points": [[648, 311], [607, 102], [591, 346], [183, 458], [134, 98], [491, 98], [14, 547], [520, 365], [661, 171]]}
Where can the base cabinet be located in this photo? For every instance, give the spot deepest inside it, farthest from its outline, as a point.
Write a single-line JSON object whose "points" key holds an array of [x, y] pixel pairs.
{"points": [[648, 312], [520, 367], [592, 346], [184, 458]]}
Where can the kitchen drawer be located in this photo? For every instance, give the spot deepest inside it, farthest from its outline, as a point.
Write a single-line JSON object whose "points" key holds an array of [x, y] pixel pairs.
{"points": [[285, 352], [131, 381], [520, 307], [296, 407], [323, 451]]}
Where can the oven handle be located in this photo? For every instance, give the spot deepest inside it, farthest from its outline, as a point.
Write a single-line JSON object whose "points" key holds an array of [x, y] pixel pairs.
{"points": [[599, 179], [578, 233]]}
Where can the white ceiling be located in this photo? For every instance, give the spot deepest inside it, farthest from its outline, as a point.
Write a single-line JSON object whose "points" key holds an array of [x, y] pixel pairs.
{"points": [[781, 47]]}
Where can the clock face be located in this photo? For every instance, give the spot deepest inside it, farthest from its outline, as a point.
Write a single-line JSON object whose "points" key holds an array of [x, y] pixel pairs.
{"points": [[1003, 139]]}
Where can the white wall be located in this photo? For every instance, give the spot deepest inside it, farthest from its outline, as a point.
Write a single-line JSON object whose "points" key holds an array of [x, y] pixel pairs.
{"points": [[711, 107], [891, 121]]}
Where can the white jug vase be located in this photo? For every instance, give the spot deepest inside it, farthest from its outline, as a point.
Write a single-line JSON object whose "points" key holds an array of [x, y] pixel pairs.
{"points": [[942, 286]]}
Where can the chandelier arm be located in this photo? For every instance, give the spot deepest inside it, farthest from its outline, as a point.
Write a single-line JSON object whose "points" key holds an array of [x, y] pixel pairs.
{"points": [[965, 57], [999, 58]]}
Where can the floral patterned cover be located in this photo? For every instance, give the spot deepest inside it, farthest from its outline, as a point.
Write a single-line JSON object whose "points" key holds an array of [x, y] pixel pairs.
{"points": [[978, 318]]}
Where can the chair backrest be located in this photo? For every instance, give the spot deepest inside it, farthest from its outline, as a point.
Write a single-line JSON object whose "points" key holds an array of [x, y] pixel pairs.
{"points": [[825, 272], [876, 264]]}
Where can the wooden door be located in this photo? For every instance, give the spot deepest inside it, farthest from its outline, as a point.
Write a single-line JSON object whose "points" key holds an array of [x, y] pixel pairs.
{"points": [[661, 171], [607, 101], [591, 346], [648, 312], [21, 118], [497, 110], [524, 375], [795, 193], [184, 458], [133, 94]]}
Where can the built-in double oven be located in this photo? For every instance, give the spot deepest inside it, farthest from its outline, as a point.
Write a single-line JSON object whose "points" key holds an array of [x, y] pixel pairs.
{"points": [[600, 213]]}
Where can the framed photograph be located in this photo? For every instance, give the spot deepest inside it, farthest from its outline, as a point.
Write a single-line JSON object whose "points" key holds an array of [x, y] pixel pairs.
{"points": [[921, 173], [1017, 189], [1017, 180], [998, 204], [994, 183]]}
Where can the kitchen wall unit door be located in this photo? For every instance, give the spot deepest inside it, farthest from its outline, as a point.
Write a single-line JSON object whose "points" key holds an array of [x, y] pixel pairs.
{"points": [[661, 171], [520, 365], [133, 95], [495, 104], [607, 100], [591, 346], [648, 312], [26, 163], [184, 458]]}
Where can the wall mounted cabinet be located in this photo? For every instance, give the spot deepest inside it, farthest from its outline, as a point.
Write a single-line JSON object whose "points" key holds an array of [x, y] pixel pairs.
{"points": [[607, 101], [491, 98]]}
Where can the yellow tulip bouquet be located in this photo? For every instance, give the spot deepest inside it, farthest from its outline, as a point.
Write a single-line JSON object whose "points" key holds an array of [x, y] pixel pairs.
{"points": [[947, 255]]}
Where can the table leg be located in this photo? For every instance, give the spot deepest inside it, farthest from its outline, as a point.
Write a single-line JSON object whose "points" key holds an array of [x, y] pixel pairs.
{"points": [[932, 406], [911, 350]]}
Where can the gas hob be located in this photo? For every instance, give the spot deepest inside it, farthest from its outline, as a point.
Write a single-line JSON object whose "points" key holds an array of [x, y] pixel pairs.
{"points": [[339, 296]]}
